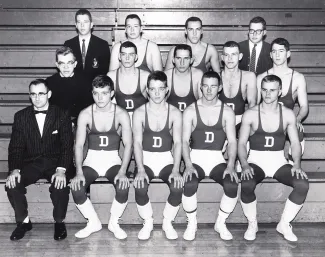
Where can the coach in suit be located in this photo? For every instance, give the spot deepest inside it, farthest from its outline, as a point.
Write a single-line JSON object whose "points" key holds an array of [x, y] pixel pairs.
{"points": [[256, 52], [41, 146], [92, 52]]}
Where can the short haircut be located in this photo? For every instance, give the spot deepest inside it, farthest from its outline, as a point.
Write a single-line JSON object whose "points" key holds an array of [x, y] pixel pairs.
{"points": [[83, 12], [183, 47], [281, 41], [157, 75], [231, 44], [37, 82], [102, 81], [272, 78], [133, 16], [64, 50], [258, 19], [211, 74], [193, 19], [128, 44]]}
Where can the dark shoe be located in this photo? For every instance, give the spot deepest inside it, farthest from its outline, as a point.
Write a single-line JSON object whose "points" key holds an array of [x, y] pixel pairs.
{"points": [[20, 230], [60, 231]]}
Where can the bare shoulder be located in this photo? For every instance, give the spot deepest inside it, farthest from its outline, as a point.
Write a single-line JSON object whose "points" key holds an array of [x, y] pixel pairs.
{"points": [[288, 114], [112, 74], [261, 76], [196, 72], [172, 49], [140, 110], [189, 111], [120, 112], [175, 112], [116, 46], [228, 112], [169, 72], [248, 75], [250, 113], [298, 76], [152, 45], [144, 73]]}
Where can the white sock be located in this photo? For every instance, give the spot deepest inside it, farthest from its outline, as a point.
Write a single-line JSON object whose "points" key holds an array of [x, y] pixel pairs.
{"points": [[227, 205], [290, 211], [117, 209], [170, 211], [249, 210], [26, 220], [145, 211], [189, 203]]}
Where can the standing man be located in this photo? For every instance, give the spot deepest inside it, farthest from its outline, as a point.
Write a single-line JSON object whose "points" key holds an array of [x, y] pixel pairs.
{"points": [[208, 122], [107, 123], [130, 82], [149, 58], [92, 52], [70, 90], [157, 129], [205, 56], [255, 50], [40, 147], [293, 85], [238, 86], [265, 126], [183, 81]]}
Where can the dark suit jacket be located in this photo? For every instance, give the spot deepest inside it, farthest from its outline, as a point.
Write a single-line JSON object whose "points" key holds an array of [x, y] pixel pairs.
{"points": [[264, 61], [26, 143], [97, 56]]}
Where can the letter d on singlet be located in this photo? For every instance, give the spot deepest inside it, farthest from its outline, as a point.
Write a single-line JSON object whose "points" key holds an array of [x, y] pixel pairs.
{"points": [[209, 137], [231, 105], [103, 141], [181, 106], [269, 141], [129, 104], [157, 142]]}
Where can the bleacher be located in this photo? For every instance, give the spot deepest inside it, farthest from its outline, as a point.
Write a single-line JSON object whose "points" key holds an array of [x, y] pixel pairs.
{"points": [[31, 31]]}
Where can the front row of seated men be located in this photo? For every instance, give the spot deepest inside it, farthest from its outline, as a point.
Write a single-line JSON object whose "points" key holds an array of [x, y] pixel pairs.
{"points": [[41, 146]]}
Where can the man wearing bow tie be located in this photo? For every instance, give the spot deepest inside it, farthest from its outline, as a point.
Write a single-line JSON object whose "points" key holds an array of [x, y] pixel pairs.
{"points": [[41, 146]]}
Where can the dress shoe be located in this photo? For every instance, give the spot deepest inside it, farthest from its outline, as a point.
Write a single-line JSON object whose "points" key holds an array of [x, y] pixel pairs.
{"points": [[20, 230], [60, 231]]}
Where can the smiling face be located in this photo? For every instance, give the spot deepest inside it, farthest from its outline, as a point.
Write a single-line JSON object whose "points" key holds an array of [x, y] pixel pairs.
{"points": [[157, 91], [194, 31], [210, 88], [83, 24]]}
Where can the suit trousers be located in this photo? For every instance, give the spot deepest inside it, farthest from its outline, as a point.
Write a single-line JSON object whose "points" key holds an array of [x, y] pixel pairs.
{"points": [[30, 173]]}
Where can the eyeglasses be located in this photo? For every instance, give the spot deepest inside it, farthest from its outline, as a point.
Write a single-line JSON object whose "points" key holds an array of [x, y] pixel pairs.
{"points": [[70, 63], [253, 31], [40, 94]]}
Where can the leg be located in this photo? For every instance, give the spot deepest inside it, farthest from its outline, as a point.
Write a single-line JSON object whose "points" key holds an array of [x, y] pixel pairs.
{"points": [[248, 201], [295, 201], [228, 200], [144, 206], [85, 206], [189, 200], [119, 203], [172, 204]]}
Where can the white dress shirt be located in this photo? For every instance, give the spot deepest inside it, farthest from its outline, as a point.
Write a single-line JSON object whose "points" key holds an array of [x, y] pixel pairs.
{"points": [[40, 118], [258, 50]]}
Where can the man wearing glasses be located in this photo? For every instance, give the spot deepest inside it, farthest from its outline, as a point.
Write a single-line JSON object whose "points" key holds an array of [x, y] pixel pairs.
{"points": [[40, 147], [256, 52]]}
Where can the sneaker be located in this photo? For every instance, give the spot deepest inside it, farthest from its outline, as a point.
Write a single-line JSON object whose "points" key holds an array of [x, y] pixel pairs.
{"points": [[285, 229], [251, 231], [145, 232], [170, 232]]}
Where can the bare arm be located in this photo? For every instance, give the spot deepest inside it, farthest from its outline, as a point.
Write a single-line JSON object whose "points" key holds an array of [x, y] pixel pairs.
{"points": [[302, 99], [258, 85], [177, 137], [156, 57], [244, 134], [214, 59], [197, 80], [230, 129], [169, 62], [187, 131], [80, 140], [137, 129], [293, 137], [251, 92], [114, 62]]}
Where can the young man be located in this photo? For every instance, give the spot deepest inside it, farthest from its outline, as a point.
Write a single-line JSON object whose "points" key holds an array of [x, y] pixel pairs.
{"points": [[205, 56], [107, 123], [157, 129], [92, 52], [238, 86], [293, 84], [130, 82], [70, 90], [148, 51], [40, 147], [265, 126], [255, 50], [208, 122], [183, 81]]}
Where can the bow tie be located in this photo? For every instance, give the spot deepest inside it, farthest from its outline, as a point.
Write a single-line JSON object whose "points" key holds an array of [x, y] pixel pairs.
{"points": [[37, 112]]}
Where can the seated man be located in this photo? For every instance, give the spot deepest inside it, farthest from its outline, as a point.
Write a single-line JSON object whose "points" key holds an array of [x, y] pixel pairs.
{"points": [[148, 51], [265, 126], [293, 83], [183, 81], [41, 146], [208, 122], [130, 82], [107, 123], [157, 128]]}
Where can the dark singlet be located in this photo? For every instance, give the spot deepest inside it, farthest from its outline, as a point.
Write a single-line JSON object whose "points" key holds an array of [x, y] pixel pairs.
{"points": [[202, 65], [237, 103], [156, 141], [206, 137], [144, 64], [181, 102], [129, 102], [108, 140], [287, 100], [268, 141]]}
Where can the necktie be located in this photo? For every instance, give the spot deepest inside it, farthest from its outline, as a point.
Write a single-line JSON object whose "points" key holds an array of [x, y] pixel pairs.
{"points": [[83, 53], [253, 59], [37, 112]]}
